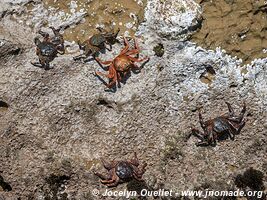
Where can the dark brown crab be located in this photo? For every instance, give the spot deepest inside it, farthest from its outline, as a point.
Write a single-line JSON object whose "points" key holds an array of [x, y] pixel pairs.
{"points": [[122, 171], [230, 124], [48, 49], [97, 42]]}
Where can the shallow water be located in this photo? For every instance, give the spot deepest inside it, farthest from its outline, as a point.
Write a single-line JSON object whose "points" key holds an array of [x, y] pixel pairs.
{"points": [[239, 27], [123, 14]]}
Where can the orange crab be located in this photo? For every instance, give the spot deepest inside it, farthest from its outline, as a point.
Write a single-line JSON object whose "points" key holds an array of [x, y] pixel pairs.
{"points": [[122, 64]]}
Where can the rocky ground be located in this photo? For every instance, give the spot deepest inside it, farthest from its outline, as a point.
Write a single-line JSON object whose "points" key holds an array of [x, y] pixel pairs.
{"points": [[56, 124]]}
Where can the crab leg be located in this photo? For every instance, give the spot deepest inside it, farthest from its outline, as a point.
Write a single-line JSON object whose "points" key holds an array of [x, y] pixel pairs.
{"points": [[136, 44], [79, 57], [240, 117], [232, 134], [134, 160], [125, 49], [116, 34], [103, 177], [55, 31], [113, 177], [119, 76], [44, 63], [241, 125], [37, 64], [111, 75], [114, 183], [200, 136], [135, 66], [133, 51], [243, 111], [45, 35], [106, 164], [61, 50], [201, 121], [237, 127], [231, 111], [104, 62], [197, 133], [114, 79], [137, 177], [213, 137], [110, 47], [106, 75], [142, 170], [137, 60]]}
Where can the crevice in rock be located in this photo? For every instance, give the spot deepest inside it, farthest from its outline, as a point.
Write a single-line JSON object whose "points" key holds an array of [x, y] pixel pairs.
{"points": [[103, 102], [8, 48], [3, 104], [159, 50], [6, 186], [208, 75], [55, 184], [251, 178]]}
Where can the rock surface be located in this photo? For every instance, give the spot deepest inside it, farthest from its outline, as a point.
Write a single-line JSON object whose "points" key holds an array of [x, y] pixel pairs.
{"points": [[61, 121]]}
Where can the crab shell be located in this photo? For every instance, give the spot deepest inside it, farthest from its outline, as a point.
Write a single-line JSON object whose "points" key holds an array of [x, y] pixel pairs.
{"points": [[47, 49], [97, 40], [57, 40], [124, 170], [122, 63], [221, 125]]}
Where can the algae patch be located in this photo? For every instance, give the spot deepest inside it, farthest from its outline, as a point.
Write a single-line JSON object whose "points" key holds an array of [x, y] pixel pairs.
{"points": [[159, 50]]}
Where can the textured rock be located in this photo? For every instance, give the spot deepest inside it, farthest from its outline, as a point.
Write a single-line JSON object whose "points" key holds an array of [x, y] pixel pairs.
{"points": [[61, 121], [171, 18]]}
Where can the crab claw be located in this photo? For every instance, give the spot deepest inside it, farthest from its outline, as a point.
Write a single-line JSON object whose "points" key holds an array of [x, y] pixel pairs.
{"points": [[54, 29], [95, 73], [37, 41]]}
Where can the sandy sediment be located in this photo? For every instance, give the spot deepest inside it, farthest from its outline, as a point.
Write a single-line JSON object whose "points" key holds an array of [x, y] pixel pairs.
{"points": [[239, 27]]}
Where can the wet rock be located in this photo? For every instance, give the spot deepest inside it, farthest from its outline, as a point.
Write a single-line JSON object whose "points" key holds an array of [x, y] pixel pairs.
{"points": [[172, 18], [245, 38], [10, 7], [62, 121]]}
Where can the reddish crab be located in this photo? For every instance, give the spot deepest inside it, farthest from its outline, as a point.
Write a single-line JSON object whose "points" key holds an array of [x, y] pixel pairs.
{"points": [[122, 171], [230, 124], [122, 64]]}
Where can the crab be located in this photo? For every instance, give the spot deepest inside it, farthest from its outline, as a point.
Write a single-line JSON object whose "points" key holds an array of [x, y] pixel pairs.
{"points": [[121, 64], [97, 42], [48, 49], [229, 124], [122, 171]]}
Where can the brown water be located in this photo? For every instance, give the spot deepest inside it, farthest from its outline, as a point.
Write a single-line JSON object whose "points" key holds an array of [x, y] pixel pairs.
{"points": [[238, 26], [124, 14]]}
